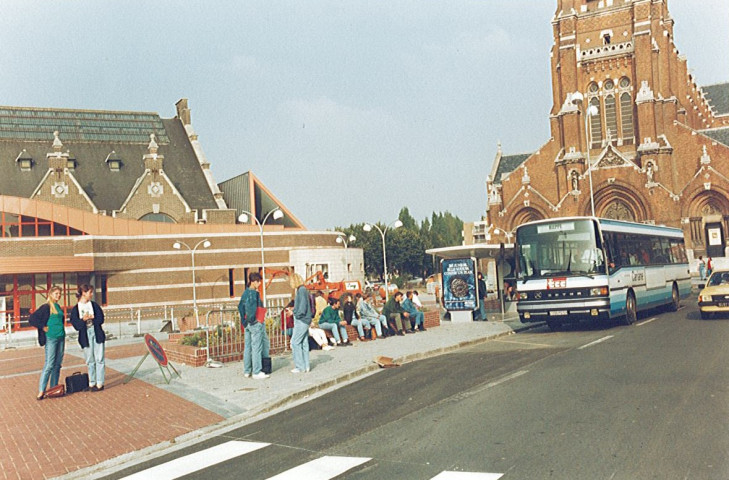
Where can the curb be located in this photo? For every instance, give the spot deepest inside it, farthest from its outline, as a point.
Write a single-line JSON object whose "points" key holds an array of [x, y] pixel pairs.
{"points": [[153, 451]]}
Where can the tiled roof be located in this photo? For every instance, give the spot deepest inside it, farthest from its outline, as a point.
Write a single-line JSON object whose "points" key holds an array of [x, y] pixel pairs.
{"points": [[509, 163], [89, 137], [721, 135], [38, 124], [718, 97]]}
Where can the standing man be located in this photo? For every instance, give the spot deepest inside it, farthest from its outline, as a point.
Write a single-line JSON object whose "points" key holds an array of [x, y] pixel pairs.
{"points": [[702, 268], [482, 295], [256, 341], [302, 320]]}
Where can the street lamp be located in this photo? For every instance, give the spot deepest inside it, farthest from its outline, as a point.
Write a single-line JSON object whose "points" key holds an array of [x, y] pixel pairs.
{"points": [[589, 111], [243, 218], [342, 238], [368, 227], [177, 246]]}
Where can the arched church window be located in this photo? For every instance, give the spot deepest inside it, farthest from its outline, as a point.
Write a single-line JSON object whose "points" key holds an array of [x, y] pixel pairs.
{"points": [[593, 88], [624, 82], [611, 116], [626, 117], [157, 217], [596, 125], [609, 85]]}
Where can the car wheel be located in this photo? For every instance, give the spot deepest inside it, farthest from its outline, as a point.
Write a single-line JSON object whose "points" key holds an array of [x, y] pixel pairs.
{"points": [[675, 299], [631, 314]]}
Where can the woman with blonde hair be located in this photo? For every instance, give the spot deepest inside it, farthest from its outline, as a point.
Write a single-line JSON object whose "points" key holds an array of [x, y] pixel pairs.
{"points": [[302, 318], [49, 320]]}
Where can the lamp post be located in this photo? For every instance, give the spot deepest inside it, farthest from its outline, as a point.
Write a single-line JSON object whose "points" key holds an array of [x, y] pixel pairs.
{"points": [[177, 246], [342, 238], [243, 218], [368, 227], [588, 111]]}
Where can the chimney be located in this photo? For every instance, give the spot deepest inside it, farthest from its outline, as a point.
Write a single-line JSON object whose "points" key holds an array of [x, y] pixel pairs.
{"points": [[183, 111]]}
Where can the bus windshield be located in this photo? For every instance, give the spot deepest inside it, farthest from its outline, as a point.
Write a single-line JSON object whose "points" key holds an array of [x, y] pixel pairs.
{"points": [[561, 248]]}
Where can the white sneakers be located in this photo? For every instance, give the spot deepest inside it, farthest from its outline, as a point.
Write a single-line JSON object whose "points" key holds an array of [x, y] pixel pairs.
{"points": [[295, 370], [247, 375], [261, 376], [327, 347]]}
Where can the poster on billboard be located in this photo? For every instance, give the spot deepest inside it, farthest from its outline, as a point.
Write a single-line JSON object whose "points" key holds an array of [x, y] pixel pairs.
{"points": [[459, 284]]}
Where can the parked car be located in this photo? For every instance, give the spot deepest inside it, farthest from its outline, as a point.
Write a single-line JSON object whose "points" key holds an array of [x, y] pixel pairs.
{"points": [[714, 298]]}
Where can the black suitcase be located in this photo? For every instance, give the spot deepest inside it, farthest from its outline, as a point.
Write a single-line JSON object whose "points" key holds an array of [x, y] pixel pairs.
{"points": [[266, 365], [77, 382]]}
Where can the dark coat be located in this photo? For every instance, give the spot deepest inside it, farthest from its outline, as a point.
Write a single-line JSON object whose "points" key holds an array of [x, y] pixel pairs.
{"points": [[39, 320], [80, 325]]}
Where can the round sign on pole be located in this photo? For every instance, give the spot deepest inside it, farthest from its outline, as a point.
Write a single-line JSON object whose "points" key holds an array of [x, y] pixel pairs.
{"points": [[156, 350]]}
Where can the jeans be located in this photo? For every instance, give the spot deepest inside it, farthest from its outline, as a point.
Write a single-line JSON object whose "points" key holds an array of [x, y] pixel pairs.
{"points": [[300, 345], [54, 358], [94, 356], [419, 317], [335, 331], [482, 309], [256, 347], [377, 322], [399, 322], [361, 324]]}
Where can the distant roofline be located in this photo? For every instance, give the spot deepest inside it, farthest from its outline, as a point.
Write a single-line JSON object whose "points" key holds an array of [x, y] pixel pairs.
{"points": [[80, 110]]}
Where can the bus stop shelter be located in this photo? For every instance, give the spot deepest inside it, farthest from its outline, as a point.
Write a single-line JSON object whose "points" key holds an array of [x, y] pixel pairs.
{"points": [[501, 253]]}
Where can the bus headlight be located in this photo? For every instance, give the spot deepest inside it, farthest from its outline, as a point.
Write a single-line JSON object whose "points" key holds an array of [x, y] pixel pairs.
{"points": [[598, 292]]}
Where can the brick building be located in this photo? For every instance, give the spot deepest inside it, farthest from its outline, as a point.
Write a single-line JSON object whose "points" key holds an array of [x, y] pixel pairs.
{"points": [[654, 145], [102, 197]]}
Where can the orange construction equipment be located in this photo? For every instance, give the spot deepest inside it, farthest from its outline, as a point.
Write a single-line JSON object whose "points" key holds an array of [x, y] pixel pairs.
{"points": [[318, 282]]}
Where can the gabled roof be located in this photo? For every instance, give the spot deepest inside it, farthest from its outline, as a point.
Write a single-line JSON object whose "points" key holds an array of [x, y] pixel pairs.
{"points": [[718, 97], [509, 163], [90, 136], [245, 192]]}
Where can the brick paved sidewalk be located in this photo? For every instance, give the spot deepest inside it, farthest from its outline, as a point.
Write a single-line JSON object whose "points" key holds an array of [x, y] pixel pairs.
{"points": [[52, 437]]}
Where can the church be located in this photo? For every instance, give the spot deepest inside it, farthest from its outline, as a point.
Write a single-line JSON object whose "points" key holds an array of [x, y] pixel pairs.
{"points": [[633, 135]]}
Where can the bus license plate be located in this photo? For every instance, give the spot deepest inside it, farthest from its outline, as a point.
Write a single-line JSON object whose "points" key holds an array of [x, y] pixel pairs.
{"points": [[558, 313]]}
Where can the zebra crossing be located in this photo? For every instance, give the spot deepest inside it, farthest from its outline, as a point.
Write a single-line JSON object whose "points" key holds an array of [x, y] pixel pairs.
{"points": [[323, 468]]}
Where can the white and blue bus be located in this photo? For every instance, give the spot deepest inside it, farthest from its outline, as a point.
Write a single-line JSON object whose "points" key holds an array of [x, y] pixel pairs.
{"points": [[591, 269]]}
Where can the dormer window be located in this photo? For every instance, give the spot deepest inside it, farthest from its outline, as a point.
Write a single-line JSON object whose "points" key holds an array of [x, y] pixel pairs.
{"points": [[114, 161], [71, 163], [24, 161]]}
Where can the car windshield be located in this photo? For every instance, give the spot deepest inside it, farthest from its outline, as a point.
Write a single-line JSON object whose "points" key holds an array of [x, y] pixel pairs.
{"points": [[719, 278], [564, 248]]}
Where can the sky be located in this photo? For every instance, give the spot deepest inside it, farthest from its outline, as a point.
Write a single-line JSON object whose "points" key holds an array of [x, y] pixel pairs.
{"points": [[346, 110]]}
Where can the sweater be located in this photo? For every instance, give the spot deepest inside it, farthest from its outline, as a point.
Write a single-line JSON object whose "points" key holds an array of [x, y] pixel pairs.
{"points": [[80, 325], [330, 315]]}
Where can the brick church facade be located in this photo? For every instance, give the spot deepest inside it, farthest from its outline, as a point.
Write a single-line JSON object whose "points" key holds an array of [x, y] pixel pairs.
{"points": [[628, 118]]}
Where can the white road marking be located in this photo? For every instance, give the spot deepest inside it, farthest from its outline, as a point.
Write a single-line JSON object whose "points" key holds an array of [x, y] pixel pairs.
{"points": [[646, 321], [322, 468], [197, 461], [467, 476], [507, 378], [600, 340]]}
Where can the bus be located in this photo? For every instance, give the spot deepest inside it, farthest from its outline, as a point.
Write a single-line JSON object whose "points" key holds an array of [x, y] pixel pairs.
{"points": [[593, 269]]}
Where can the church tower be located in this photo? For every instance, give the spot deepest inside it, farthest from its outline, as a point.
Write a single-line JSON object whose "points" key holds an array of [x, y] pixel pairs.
{"points": [[629, 127]]}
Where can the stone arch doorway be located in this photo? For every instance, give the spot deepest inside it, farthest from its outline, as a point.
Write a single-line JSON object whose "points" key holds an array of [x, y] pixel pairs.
{"points": [[619, 203], [708, 223]]}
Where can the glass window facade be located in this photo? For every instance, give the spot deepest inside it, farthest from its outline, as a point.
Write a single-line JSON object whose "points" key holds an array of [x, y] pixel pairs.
{"points": [[19, 226]]}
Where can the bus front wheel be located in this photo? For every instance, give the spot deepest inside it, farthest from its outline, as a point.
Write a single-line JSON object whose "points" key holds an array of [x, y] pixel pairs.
{"points": [[630, 310]]}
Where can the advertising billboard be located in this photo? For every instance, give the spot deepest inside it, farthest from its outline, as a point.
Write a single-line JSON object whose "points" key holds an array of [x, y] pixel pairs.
{"points": [[459, 284]]}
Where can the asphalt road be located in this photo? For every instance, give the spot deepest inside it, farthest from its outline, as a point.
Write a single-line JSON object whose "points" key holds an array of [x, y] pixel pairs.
{"points": [[640, 402]]}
